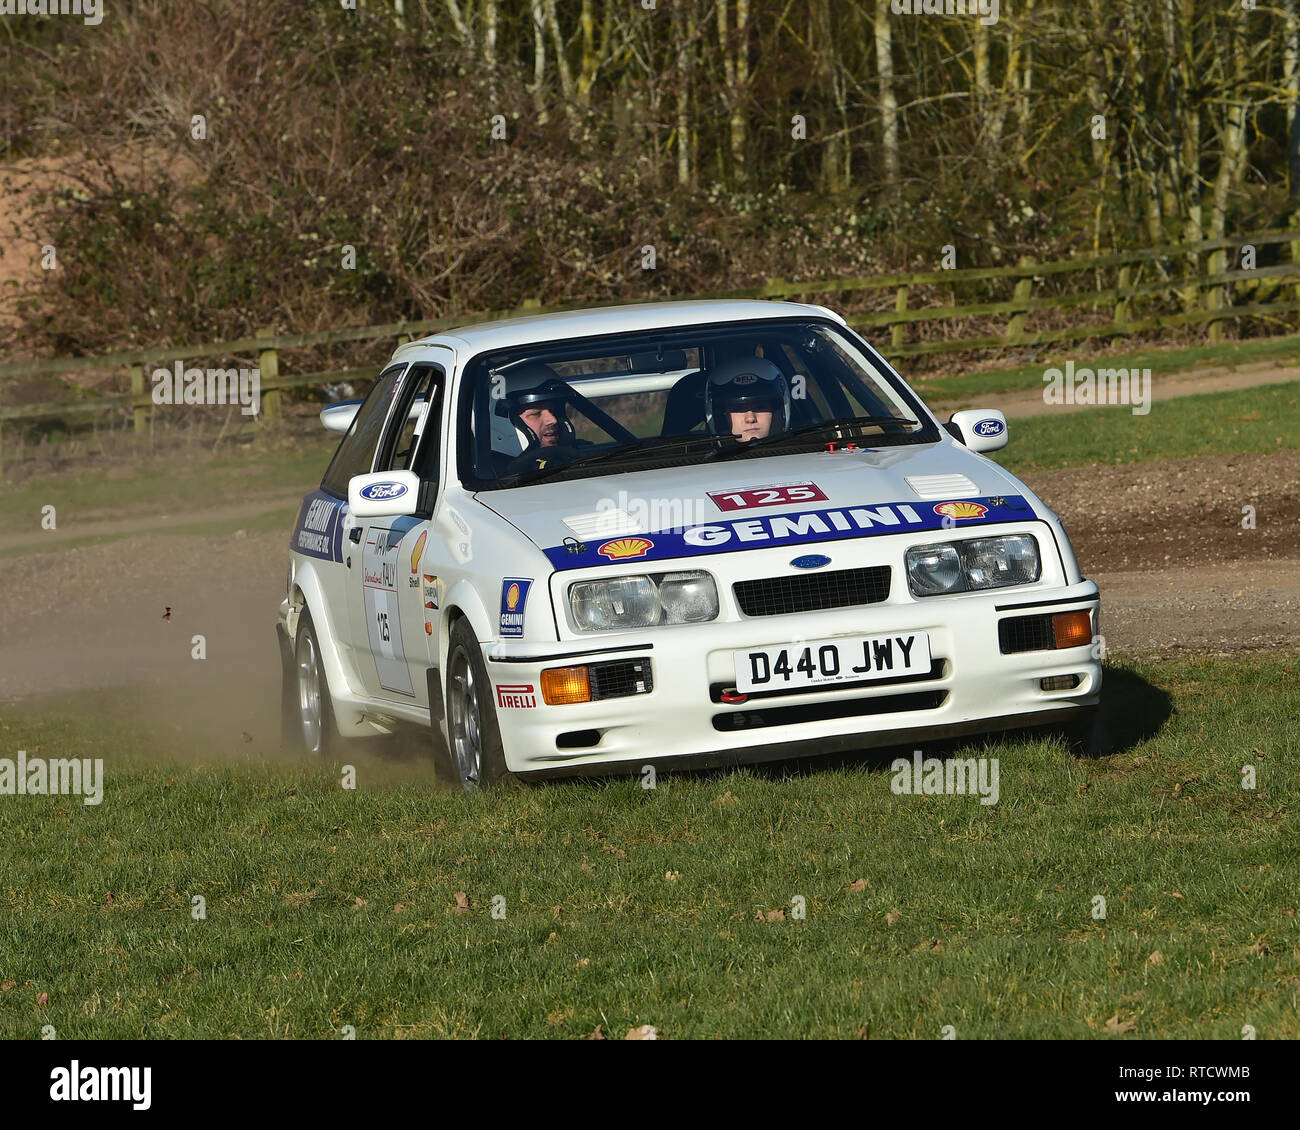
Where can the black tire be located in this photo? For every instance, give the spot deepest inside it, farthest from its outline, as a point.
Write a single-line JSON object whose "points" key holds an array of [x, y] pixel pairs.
{"points": [[309, 726], [473, 756]]}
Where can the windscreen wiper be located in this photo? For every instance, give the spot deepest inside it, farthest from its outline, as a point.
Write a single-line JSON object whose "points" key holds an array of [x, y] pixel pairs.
{"points": [[808, 431]]}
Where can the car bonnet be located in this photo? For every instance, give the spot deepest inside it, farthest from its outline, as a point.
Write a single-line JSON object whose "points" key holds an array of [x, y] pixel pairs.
{"points": [[752, 503]]}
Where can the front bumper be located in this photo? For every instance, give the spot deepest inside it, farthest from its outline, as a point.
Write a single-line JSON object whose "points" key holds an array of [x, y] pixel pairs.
{"points": [[972, 687]]}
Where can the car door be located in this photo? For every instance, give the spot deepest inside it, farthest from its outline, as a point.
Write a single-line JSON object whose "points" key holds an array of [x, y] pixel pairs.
{"points": [[390, 590], [355, 456]]}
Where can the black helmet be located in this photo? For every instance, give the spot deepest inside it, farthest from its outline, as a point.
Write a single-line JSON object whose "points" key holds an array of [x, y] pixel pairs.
{"points": [[746, 382]]}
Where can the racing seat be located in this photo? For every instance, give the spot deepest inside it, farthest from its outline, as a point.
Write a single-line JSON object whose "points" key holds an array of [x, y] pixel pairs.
{"points": [[684, 408]]}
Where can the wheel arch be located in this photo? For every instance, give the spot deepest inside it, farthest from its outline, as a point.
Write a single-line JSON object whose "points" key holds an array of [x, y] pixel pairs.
{"points": [[308, 594]]}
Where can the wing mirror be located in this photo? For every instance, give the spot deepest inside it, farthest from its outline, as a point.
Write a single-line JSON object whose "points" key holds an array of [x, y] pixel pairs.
{"points": [[384, 494], [980, 429], [338, 417]]}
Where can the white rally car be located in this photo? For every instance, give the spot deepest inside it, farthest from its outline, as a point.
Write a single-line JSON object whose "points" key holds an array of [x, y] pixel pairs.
{"points": [[673, 534]]}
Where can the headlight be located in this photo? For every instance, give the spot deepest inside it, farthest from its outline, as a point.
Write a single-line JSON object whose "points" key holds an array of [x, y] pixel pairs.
{"points": [[933, 569], [688, 598], [993, 562], [964, 566], [643, 601]]}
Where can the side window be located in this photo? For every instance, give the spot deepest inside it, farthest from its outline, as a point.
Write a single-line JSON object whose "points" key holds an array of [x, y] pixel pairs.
{"points": [[413, 432], [356, 454]]}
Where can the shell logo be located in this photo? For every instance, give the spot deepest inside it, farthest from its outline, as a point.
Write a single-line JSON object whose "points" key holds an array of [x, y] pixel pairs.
{"points": [[961, 509], [418, 550], [512, 598], [623, 548]]}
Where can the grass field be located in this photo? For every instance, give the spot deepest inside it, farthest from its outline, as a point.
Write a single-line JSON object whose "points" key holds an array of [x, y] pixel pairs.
{"points": [[1260, 419], [624, 906], [177, 484]]}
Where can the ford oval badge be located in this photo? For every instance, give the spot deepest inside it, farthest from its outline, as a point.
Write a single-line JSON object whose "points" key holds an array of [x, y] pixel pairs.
{"points": [[811, 561], [381, 492], [990, 428]]}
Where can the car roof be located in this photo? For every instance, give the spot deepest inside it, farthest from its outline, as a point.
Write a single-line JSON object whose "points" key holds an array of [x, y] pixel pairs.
{"points": [[512, 332]]}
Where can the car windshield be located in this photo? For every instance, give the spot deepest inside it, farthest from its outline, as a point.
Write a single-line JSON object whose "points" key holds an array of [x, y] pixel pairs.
{"points": [[668, 398]]}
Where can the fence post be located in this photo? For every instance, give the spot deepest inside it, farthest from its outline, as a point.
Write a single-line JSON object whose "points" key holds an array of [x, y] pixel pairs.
{"points": [[268, 363], [1024, 287], [1295, 247], [899, 329], [1215, 295], [139, 412], [1122, 302]]}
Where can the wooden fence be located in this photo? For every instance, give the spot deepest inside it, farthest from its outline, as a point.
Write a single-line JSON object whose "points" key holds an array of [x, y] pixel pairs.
{"points": [[1198, 296]]}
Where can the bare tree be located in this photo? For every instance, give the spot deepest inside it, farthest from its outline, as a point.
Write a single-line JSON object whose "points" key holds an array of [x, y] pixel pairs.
{"points": [[885, 85]]}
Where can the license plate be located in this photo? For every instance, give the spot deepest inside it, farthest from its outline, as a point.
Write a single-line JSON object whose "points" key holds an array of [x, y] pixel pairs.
{"points": [[824, 662]]}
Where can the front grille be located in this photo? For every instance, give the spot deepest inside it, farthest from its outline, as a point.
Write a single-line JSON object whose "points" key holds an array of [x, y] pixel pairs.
{"points": [[1026, 633], [783, 596], [620, 678]]}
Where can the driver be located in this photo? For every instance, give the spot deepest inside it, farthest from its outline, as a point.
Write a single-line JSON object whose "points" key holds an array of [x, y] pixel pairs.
{"points": [[747, 397], [539, 416]]}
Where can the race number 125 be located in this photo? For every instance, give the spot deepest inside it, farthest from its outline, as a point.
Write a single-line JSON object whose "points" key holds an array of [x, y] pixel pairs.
{"points": [[779, 494]]}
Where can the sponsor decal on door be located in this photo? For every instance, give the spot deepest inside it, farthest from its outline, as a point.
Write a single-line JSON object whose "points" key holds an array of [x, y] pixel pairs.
{"points": [[379, 565]]}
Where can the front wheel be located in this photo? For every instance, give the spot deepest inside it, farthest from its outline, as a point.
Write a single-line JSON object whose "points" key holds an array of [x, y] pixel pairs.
{"points": [[475, 753]]}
